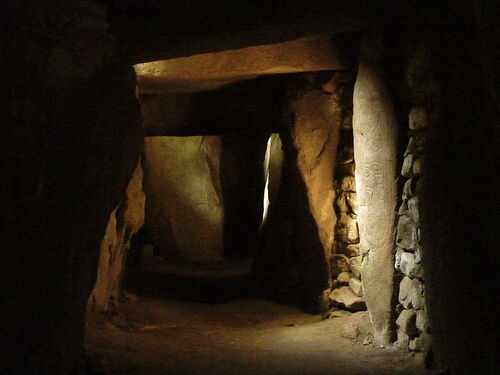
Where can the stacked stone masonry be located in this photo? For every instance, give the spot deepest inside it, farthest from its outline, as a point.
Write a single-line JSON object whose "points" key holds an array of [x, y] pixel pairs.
{"points": [[413, 329], [347, 288]]}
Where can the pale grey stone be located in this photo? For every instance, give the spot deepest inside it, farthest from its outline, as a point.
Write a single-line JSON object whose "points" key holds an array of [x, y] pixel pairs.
{"points": [[408, 265], [355, 263], [418, 118], [344, 297], [411, 148], [339, 263], [403, 340], [407, 233], [397, 258], [356, 286], [421, 321], [404, 292], [344, 277], [409, 189], [406, 322], [417, 294], [403, 209], [338, 314], [407, 168], [413, 209], [418, 254], [417, 167]]}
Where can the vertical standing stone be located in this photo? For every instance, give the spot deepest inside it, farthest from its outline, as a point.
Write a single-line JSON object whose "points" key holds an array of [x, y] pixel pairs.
{"points": [[375, 146]]}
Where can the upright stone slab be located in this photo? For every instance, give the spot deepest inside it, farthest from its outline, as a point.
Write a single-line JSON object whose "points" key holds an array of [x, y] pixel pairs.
{"points": [[375, 141]]}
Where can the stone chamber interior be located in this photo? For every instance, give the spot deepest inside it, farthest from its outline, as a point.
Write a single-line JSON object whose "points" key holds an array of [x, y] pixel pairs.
{"points": [[254, 189]]}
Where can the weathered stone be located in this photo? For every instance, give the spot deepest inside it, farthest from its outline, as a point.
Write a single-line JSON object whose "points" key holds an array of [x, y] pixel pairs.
{"points": [[421, 343], [341, 203], [409, 188], [407, 233], [418, 118], [404, 292], [184, 206], [403, 340], [347, 229], [421, 321], [408, 265], [407, 168], [351, 250], [406, 322], [411, 148], [413, 209], [417, 167], [344, 297], [403, 209], [417, 295], [356, 286], [345, 155], [418, 254], [339, 263], [346, 169], [375, 127], [352, 202], [338, 314], [348, 183], [355, 264], [125, 220], [397, 258], [344, 277]]}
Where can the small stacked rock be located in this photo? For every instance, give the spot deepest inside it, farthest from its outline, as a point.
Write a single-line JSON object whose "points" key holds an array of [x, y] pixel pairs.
{"points": [[347, 288], [413, 330]]}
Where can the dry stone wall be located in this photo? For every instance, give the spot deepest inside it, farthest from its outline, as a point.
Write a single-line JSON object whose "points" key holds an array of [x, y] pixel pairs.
{"points": [[413, 329], [347, 288]]}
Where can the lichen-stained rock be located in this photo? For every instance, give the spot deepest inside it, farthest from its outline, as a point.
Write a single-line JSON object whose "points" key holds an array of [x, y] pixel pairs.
{"points": [[407, 233], [339, 263], [347, 229], [406, 322], [125, 220], [344, 297]]}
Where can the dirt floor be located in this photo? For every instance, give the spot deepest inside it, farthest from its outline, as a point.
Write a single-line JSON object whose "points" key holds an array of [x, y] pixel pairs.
{"points": [[240, 337]]}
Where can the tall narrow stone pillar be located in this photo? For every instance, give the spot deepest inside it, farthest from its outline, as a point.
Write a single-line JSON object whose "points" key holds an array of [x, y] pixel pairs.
{"points": [[375, 150]]}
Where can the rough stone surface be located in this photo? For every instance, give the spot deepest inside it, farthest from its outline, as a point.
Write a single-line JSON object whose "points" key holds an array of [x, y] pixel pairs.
{"points": [[406, 322], [185, 210], [413, 209], [409, 188], [344, 277], [375, 150], [345, 298], [350, 250], [407, 168], [421, 321], [407, 233], [339, 263], [348, 183], [355, 266], [356, 286], [347, 229], [408, 265], [125, 220]]}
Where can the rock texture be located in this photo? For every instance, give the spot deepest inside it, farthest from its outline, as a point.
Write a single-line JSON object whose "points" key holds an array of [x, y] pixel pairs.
{"points": [[125, 220], [185, 208], [375, 150]]}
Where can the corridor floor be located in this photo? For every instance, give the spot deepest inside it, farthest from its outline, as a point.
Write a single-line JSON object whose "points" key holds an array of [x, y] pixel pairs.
{"points": [[241, 337]]}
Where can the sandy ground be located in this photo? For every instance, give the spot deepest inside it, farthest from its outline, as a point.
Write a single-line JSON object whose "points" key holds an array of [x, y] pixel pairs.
{"points": [[240, 337]]}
